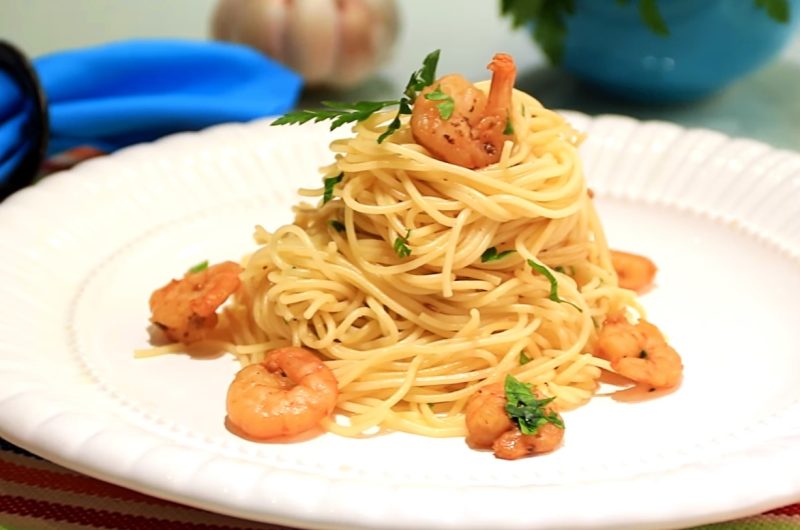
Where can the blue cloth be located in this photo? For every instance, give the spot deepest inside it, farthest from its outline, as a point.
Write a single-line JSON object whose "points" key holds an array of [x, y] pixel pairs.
{"points": [[118, 94]]}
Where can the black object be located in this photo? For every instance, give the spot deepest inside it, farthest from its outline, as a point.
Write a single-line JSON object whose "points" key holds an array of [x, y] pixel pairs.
{"points": [[19, 68]]}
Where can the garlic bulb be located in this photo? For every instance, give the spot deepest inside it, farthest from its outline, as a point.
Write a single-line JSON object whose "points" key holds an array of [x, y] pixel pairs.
{"points": [[329, 42]]}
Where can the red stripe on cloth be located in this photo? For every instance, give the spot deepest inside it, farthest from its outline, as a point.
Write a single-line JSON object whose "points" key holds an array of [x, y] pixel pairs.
{"points": [[93, 518], [72, 483], [792, 509]]}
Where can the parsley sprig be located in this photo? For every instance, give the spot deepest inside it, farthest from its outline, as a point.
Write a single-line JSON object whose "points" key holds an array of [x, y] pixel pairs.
{"points": [[342, 113], [525, 410], [422, 78], [544, 271], [549, 18]]}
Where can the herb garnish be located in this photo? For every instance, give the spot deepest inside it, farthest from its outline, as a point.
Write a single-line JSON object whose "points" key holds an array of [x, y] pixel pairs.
{"points": [[447, 104], [420, 79], [330, 182], [342, 113], [509, 127], [200, 267], [337, 225], [541, 269], [523, 359], [525, 410], [401, 245], [491, 254]]}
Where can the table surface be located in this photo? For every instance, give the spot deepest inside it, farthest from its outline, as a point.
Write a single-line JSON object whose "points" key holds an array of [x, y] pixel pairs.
{"points": [[36, 494]]}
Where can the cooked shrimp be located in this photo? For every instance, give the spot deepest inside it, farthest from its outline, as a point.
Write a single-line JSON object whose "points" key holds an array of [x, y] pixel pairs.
{"points": [[186, 309], [489, 426], [472, 136], [486, 416], [512, 444], [639, 352], [287, 394], [633, 271]]}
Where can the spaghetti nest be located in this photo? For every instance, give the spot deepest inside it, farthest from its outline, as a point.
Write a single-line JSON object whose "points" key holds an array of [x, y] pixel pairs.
{"points": [[421, 281]]}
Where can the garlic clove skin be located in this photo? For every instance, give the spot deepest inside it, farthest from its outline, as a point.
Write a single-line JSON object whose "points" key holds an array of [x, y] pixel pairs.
{"points": [[337, 43], [312, 38]]}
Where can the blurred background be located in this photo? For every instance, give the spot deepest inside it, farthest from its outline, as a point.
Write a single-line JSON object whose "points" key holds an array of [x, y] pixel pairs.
{"points": [[763, 104]]}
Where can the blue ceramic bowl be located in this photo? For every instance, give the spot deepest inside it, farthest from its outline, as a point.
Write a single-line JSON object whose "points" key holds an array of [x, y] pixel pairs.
{"points": [[711, 44]]}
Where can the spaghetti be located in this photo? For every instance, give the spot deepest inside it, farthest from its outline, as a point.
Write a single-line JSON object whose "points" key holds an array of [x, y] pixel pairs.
{"points": [[411, 338]]}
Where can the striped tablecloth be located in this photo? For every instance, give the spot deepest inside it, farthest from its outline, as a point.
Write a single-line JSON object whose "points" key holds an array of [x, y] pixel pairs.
{"points": [[38, 495]]}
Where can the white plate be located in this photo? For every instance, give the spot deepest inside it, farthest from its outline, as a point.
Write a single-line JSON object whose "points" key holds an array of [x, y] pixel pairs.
{"points": [[721, 217]]}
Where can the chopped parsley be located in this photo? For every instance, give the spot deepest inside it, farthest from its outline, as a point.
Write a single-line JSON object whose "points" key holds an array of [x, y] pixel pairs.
{"points": [[509, 127], [447, 104], [330, 182], [491, 254], [337, 225], [544, 271], [523, 359], [200, 267], [401, 245], [525, 410]]}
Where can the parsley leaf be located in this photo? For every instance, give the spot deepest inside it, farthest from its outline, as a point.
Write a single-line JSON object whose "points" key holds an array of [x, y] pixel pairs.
{"points": [[337, 225], [330, 182], [447, 104], [420, 79], [401, 245], [548, 18], [525, 410], [200, 267], [340, 113], [651, 16], [544, 271], [523, 359], [491, 254], [778, 10]]}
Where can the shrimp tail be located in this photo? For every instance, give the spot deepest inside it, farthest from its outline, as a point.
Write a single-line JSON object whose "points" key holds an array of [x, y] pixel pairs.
{"points": [[504, 73]]}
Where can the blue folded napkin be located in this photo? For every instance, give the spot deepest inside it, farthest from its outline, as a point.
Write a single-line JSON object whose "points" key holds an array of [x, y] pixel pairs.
{"points": [[118, 94]]}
